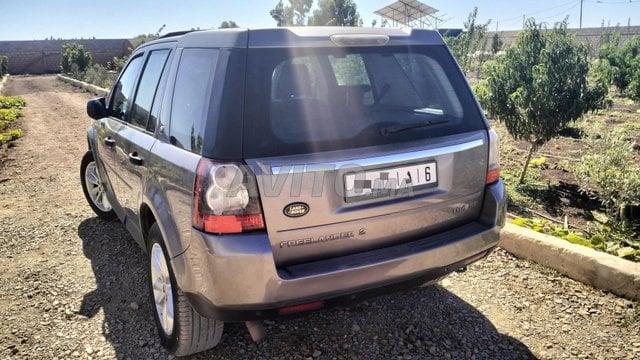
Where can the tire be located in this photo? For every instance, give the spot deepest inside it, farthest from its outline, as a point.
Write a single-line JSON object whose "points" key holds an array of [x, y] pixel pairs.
{"points": [[187, 332], [93, 189]]}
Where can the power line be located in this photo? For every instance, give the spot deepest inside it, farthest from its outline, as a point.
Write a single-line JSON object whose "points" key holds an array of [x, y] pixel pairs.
{"points": [[539, 11], [614, 2], [563, 12]]}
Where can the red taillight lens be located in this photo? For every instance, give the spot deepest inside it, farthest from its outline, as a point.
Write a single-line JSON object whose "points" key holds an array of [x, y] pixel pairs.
{"points": [[493, 171], [229, 224], [493, 175], [226, 199]]}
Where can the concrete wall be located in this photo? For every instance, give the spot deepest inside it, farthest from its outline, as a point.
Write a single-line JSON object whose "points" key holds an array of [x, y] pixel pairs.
{"points": [[43, 56], [590, 36]]}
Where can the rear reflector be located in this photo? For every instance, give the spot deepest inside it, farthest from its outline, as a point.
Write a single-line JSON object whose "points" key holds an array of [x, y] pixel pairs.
{"points": [[493, 175], [302, 307]]}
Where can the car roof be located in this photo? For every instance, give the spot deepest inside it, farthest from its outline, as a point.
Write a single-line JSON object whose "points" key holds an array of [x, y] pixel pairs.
{"points": [[303, 36]]}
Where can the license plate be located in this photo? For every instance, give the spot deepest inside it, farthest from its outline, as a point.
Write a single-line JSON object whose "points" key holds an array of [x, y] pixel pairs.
{"points": [[390, 181]]}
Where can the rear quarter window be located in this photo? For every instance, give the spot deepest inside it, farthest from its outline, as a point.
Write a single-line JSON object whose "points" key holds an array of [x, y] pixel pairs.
{"points": [[191, 95]]}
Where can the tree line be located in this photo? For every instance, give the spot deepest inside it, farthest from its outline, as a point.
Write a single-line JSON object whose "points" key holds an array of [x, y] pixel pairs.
{"points": [[327, 13]]}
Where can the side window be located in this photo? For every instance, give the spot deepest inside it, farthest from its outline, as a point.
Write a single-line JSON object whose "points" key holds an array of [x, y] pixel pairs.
{"points": [[191, 96], [123, 91], [148, 87]]}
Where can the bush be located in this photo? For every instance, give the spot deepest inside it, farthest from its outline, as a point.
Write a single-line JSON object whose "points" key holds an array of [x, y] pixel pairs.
{"points": [[9, 115], [10, 110], [625, 64], [600, 80], [10, 135], [99, 76], [609, 169], [74, 54], [117, 63], [7, 102], [4, 65]]}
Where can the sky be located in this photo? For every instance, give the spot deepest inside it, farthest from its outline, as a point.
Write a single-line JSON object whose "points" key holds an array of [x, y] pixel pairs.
{"points": [[40, 19]]}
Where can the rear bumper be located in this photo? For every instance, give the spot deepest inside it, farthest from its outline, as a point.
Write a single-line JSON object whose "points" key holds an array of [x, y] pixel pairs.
{"points": [[234, 278]]}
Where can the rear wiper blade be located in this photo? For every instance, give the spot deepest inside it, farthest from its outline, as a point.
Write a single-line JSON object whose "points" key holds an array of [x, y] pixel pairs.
{"points": [[417, 125]]}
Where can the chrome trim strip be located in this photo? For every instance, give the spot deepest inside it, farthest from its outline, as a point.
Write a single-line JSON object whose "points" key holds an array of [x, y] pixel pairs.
{"points": [[379, 160]]}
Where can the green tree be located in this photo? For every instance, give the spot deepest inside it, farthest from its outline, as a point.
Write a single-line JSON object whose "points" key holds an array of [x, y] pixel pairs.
{"points": [[228, 24], [472, 40], [496, 44], [74, 54], [294, 14], [625, 64], [335, 13], [539, 86], [4, 65]]}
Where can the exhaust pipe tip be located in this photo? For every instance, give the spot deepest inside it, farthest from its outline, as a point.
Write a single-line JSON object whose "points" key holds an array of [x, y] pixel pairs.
{"points": [[256, 330]]}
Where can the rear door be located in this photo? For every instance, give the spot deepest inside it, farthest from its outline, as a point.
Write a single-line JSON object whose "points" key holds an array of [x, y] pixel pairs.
{"points": [[134, 137], [361, 148], [119, 105]]}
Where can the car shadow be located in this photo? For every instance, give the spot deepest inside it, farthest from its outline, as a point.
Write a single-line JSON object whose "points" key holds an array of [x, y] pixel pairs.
{"points": [[423, 323]]}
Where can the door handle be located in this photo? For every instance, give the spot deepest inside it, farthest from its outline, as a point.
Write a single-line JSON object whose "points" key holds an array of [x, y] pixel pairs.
{"points": [[109, 141], [135, 159]]}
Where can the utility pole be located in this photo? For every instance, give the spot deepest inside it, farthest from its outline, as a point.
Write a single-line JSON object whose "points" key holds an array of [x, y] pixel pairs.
{"points": [[581, 2]]}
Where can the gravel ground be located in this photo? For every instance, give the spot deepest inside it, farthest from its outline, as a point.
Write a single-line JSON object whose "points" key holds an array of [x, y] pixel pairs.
{"points": [[73, 286]]}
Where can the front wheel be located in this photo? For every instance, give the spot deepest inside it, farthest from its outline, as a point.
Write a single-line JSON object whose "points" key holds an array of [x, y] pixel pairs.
{"points": [[182, 330], [93, 188]]}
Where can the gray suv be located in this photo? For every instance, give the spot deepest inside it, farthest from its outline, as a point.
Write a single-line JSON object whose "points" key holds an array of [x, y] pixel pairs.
{"points": [[278, 171]]}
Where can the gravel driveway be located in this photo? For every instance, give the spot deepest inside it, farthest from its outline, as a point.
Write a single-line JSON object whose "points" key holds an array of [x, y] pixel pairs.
{"points": [[73, 286]]}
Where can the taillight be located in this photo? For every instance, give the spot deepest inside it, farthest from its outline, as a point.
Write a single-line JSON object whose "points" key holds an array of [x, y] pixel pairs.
{"points": [[226, 199], [493, 171]]}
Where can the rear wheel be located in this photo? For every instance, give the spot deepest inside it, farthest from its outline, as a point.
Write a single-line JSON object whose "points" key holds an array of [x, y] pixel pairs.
{"points": [[182, 330], [93, 188]]}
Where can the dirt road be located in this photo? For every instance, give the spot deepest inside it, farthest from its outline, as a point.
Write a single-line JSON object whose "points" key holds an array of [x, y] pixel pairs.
{"points": [[73, 286]]}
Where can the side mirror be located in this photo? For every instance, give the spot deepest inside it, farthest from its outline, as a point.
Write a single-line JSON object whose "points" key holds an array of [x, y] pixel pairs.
{"points": [[96, 108]]}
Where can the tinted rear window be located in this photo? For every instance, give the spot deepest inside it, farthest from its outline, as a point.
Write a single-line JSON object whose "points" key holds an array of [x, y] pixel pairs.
{"points": [[311, 100]]}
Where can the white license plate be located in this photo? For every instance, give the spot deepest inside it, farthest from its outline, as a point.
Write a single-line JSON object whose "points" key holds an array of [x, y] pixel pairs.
{"points": [[390, 181]]}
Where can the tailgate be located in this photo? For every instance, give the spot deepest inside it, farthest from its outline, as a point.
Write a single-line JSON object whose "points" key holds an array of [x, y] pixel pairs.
{"points": [[343, 202]]}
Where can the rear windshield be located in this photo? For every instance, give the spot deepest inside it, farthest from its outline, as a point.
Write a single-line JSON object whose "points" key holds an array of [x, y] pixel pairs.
{"points": [[322, 99]]}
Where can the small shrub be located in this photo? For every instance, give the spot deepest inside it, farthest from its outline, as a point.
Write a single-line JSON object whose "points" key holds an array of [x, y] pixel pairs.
{"points": [[538, 162], [600, 80], [99, 76], [7, 102], [4, 65], [9, 115], [609, 169], [10, 110], [10, 135], [625, 64]]}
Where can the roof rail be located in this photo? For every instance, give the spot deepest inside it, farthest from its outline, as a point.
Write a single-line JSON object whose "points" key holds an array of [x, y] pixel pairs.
{"points": [[176, 33]]}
